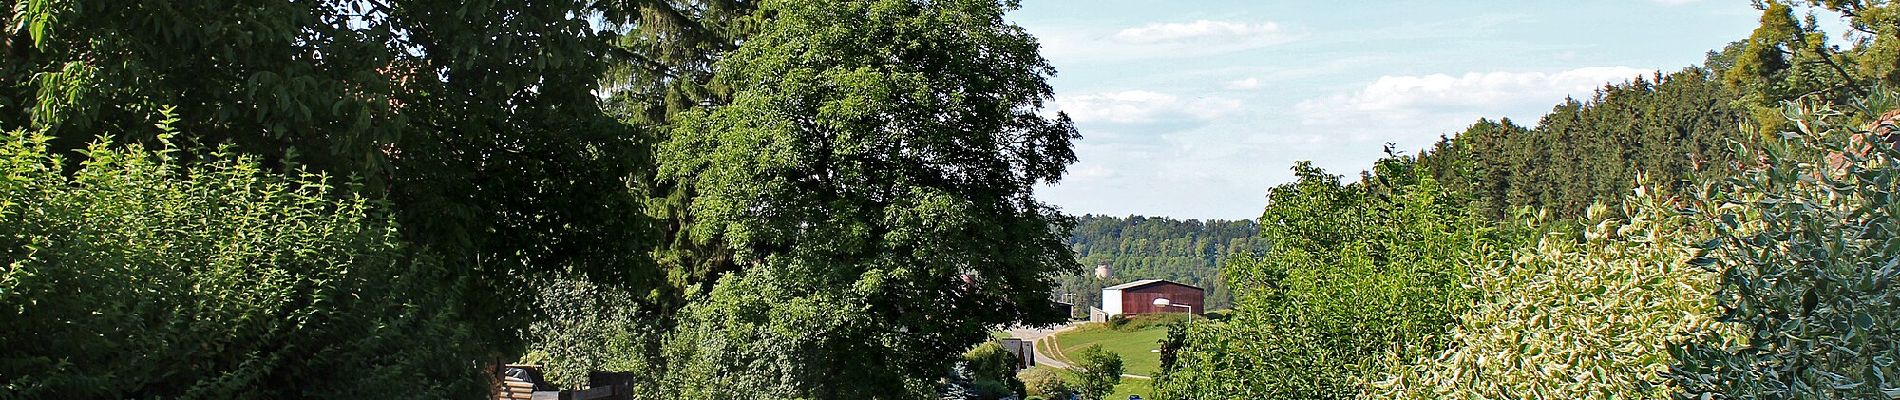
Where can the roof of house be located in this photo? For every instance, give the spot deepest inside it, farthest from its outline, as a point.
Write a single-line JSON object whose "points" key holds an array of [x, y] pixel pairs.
{"points": [[1145, 282]]}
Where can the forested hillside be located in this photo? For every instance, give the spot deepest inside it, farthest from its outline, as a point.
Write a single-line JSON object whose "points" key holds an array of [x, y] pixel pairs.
{"points": [[1670, 130], [1137, 247]]}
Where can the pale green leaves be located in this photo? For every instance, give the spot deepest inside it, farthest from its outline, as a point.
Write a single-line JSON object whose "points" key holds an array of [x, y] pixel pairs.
{"points": [[1570, 319]]}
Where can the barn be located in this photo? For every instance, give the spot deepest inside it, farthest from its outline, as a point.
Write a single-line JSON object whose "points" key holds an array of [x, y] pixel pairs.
{"points": [[1138, 297]]}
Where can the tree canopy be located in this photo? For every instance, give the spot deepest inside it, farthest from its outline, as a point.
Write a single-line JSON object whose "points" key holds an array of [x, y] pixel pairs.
{"points": [[870, 185]]}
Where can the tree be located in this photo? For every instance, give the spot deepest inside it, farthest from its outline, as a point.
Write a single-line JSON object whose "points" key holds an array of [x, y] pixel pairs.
{"points": [[1670, 129], [665, 53], [870, 185], [1098, 373], [476, 120], [1786, 58], [1875, 35], [1360, 275]]}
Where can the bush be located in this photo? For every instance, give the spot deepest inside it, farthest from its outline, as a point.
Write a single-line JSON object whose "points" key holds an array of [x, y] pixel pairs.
{"points": [[1807, 253], [1568, 320], [993, 369], [138, 276], [1145, 321], [1046, 382]]}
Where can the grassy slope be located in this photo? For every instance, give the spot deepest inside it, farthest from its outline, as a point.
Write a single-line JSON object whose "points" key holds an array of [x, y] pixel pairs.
{"points": [[1136, 346], [1128, 386], [1132, 386]]}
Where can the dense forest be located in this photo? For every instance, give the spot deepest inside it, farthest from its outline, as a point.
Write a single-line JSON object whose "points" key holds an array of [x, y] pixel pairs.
{"points": [[804, 199], [1137, 247]]}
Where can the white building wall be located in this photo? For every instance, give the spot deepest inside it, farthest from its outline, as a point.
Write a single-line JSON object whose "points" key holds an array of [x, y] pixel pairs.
{"points": [[1112, 302]]}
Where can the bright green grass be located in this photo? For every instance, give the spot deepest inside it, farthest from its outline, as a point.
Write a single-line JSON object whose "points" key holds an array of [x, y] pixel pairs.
{"points": [[1136, 347], [1135, 386], [1128, 386]]}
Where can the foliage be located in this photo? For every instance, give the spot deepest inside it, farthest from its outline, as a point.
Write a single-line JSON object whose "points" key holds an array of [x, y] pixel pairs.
{"points": [[1669, 128], [1136, 345], [1046, 382], [1806, 251], [1788, 58], [142, 276], [871, 181], [1097, 372], [1138, 322], [476, 120], [589, 327], [1358, 274], [664, 54], [1573, 319], [1137, 247], [1875, 28], [992, 368]]}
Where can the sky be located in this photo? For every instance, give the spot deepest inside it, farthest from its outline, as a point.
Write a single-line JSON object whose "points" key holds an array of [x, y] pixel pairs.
{"points": [[1194, 108]]}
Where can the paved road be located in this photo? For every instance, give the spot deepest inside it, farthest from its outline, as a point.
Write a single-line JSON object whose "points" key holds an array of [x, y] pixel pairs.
{"points": [[1045, 343], [1037, 335]]}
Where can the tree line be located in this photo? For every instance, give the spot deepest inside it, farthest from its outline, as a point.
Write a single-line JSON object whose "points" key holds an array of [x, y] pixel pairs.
{"points": [[1137, 247]]}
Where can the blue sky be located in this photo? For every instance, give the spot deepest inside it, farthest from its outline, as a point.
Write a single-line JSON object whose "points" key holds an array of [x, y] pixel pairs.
{"points": [[1192, 109]]}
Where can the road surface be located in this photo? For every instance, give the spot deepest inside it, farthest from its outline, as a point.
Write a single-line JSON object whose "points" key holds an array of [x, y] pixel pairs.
{"points": [[1036, 335], [1045, 340]]}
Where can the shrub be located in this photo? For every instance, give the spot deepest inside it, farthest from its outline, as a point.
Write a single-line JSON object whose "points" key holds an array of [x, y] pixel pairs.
{"points": [[1145, 321], [1046, 382], [138, 276], [1808, 252], [1570, 319], [993, 369]]}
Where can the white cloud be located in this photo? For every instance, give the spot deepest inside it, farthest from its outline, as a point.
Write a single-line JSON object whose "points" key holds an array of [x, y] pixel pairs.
{"points": [[1201, 30], [1090, 171], [1161, 40], [1676, 2], [1423, 107], [1472, 90], [1249, 83], [1142, 107]]}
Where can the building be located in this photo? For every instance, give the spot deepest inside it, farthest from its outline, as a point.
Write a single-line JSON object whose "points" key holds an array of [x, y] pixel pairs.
{"points": [[1138, 297], [1025, 352], [1067, 309], [1102, 272]]}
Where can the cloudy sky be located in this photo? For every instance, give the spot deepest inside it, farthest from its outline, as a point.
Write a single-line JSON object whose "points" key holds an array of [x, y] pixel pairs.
{"points": [[1193, 108]]}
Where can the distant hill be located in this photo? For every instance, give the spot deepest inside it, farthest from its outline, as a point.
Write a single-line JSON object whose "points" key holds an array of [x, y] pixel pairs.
{"points": [[1137, 247]]}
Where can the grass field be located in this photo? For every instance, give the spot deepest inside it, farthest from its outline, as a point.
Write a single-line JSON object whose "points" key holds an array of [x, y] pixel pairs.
{"points": [[1134, 386], [1136, 346], [1128, 386]]}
